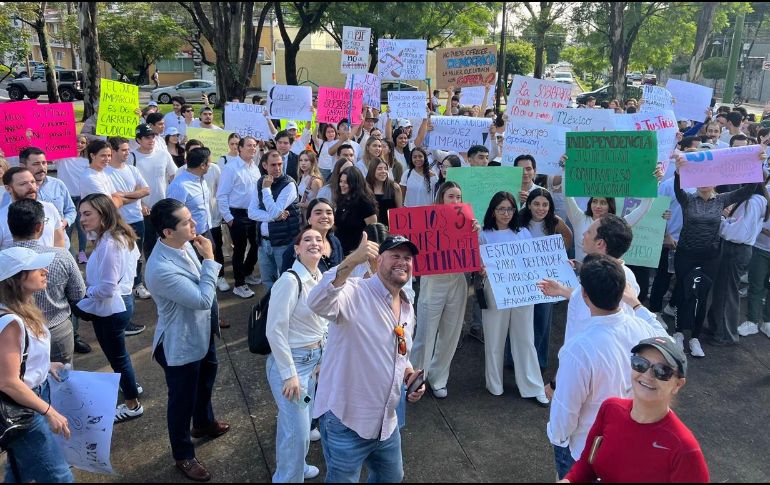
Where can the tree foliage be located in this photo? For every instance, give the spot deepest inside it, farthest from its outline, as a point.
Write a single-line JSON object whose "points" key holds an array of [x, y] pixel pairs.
{"points": [[715, 68], [542, 18], [14, 43], [519, 58], [586, 63], [33, 15]]}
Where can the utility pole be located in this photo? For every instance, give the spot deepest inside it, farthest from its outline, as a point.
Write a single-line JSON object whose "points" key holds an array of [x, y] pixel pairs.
{"points": [[736, 46], [501, 78]]}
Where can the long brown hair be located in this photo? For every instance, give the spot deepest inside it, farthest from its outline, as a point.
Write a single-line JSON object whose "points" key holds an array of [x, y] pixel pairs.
{"points": [[388, 187], [314, 170], [112, 222], [17, 301]]}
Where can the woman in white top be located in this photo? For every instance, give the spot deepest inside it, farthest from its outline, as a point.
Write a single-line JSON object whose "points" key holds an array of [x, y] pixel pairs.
{"points": [[322, 145], [371, 151], [402, 145], [418, 182], [296, 336], [501, 225], [232, 144], [33, 453], [109, 280], [327, 192], [70, 171], [310, 179]]}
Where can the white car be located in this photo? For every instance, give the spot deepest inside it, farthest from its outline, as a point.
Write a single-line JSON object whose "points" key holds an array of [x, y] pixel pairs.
{"points": [[563, 77], [191, 90]]}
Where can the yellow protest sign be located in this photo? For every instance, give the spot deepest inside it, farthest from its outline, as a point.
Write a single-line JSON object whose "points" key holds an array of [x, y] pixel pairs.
{"points": [[117, 105], [214, 140]]}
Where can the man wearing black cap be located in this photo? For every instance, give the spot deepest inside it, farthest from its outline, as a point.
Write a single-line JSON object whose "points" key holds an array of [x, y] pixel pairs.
{"points": [[368, 347]]}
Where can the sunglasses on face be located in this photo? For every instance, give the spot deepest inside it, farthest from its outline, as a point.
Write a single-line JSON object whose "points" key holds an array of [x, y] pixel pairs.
{"points": [[662, 372]]}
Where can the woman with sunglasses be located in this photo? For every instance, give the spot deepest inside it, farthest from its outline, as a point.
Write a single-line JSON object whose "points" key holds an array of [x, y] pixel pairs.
{"points": [[642, 439]]}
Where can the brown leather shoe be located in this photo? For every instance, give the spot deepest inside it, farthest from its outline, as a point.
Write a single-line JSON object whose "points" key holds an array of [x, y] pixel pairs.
{"points": [[214, 430], [194, 470], [224, 323]]}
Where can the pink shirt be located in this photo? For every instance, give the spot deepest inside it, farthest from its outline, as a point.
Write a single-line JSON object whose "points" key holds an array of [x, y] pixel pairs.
{"points": [[362, 371]]}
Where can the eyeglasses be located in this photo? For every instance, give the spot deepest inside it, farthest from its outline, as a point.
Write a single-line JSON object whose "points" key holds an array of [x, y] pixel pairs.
{"points": [[505, 210], [399, 331], [188, 111], [661, 371]]}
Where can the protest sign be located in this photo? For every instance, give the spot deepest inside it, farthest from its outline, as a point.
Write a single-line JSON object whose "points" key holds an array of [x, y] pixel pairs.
{"points": [[117, 105], [514, 269], [301, 125], [611, 164], [369, 84], [290, 102], [402, 60], [466, 66], [458, 133], [334, 105], [535, 98], [663, 123], [443, 234], [578, 120], [407, 104], [474, 96], [739, 165], [87, 400], [214, 140], [355, 49], [648, 233], [690, 100], [545, 142], [54, 131], [656, 99], [480, 184], [247, 120], [15, 120]]}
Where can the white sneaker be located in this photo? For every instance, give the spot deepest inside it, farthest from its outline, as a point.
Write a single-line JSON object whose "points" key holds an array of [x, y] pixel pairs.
{"points": [[743, 292], [679, 339], [141, 292], [748, 328], [745, 278], [243, 291], [222, 284], [765, 328], [253, 280], [123, 413], [311, 472], [695, 348], [542, 400], [315, 435], [440, 393], [669, 310]]}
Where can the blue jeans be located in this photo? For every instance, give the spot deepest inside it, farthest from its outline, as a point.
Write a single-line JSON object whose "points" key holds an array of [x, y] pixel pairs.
{"points": [[563, 459], [82, 238], [346, 452], [542, 322], [292, 436], [35, 455], [138, 228], [270, 261], [110, 335]]}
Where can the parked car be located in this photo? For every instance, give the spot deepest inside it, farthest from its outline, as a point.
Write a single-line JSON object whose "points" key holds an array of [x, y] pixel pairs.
{"points": [[70, 85], [394, 86], [635, 76], [650, 79], [607, 93], [563, 77], [191, 90]]}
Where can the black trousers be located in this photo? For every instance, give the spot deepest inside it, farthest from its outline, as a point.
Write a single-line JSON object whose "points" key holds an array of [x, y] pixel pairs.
{"points": [[685, 261], [219, 257], [642, 275], [661, 283], [243, 233]]}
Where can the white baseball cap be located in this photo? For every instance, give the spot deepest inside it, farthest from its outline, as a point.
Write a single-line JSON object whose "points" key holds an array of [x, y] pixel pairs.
{"points": [[15, 260], [172, 131], [403, 123], [291, 125]]}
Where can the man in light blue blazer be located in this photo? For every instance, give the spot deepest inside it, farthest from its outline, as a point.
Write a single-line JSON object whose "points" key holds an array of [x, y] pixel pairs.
{"points": [[184, 291]]}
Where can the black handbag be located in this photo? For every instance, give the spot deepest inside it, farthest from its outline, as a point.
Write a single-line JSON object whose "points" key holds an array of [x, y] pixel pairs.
{"points": [[15, 418], [478, 285]]}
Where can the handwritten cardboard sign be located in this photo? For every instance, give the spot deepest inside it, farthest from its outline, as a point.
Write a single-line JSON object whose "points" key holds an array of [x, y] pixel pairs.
{"points": [[458, 133], [406, 104], [474, 96], [355, 49], [535, 98], [656, 98], [402, 59], [691, 100], [612, 164], [290, 102], [578, 120], [545, 142], [515, 267], [214, 140], [648, 233], [54, 130], [334, 105], [15, 120], [369, 84], [466, 66], [247, 120], [663, 123], [117, 105], [443, 234], [726, 166], [480, 184]]}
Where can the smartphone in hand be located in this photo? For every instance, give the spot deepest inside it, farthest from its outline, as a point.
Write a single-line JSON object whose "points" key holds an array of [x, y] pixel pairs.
{"points": [[416, 382]]}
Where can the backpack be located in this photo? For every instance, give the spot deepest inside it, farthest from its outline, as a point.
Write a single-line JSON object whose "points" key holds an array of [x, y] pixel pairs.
{"points": [[258, 343]]}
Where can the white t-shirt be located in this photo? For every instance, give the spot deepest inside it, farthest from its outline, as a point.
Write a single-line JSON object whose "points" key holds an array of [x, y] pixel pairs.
{"points": [[52, 223], [39, 351], [326, 161], [156, 169], [95, 182], [70, 171], [127, 179], [416, 192]]}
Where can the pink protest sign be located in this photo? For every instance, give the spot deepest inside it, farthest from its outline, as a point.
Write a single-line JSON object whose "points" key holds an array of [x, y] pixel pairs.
{"points": [[54, 131], [737, 165], [15, 120], [334, 105]]}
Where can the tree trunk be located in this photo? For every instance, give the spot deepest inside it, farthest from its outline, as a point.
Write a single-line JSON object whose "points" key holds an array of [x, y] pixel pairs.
{"points": [[618, 54], [73, 56], [705, 26], [290, 61], [89, 56], [539, 50], [45, 52]]}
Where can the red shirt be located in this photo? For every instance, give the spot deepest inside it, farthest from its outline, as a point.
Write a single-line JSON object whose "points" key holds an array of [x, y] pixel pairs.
{"points": [[660, 452]]}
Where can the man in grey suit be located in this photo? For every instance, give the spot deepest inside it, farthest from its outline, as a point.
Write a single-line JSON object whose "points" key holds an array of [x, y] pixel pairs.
{"points": [[184, 291]]}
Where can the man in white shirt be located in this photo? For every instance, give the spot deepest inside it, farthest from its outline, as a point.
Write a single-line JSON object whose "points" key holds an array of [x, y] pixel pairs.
{"points": [[157, 168], [174, 118], [206, 120], [593, 366], [49, 189], [20, 184], [157, 122], [529, 172], [238, 183]]}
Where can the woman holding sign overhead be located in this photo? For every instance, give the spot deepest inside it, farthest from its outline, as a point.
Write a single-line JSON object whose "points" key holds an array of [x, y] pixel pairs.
{"points": [[501, 225]]}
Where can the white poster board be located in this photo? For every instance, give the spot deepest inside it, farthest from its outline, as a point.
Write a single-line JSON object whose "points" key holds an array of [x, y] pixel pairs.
{"points": [[544, 141], [690, 100], [402, 60], [355, 50], [535, 98], [247, 120], [474, 96], [290, 102], [458, 133], [369, 84], [407, 104], [663, 123], [656, 98], [585, 119]]}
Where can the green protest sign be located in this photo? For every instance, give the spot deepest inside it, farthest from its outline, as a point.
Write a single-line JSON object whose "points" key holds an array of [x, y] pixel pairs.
{"points": [[648, 233], [301, 125], [479, 184], [117, 105], [611, 164], [214, 140]]}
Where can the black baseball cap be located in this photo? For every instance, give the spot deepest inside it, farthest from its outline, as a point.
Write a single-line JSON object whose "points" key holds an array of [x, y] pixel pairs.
{"points": [[668, 348], [144, 130], [392, 242]]}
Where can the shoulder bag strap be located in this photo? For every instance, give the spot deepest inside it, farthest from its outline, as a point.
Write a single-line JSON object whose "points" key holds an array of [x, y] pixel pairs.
{"points": [[299, 281], [25, 350]]}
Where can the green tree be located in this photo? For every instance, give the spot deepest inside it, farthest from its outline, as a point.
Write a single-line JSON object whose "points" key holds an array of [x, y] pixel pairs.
{"points": [[543, 17], [715, 68], [14, 43], [587, 63], [305, 15], [519, 58], [33, 15]]}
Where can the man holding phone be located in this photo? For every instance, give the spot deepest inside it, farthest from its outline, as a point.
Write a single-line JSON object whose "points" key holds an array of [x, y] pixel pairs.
{"points": [[366, 361]]}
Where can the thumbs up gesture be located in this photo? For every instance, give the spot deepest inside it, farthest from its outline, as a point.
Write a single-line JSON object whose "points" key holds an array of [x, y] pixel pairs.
{"points": [[366, 251]]}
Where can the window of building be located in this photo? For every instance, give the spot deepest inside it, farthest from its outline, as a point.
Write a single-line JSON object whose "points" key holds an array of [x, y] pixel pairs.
{"points": [[175, 65], [59, 56]]}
